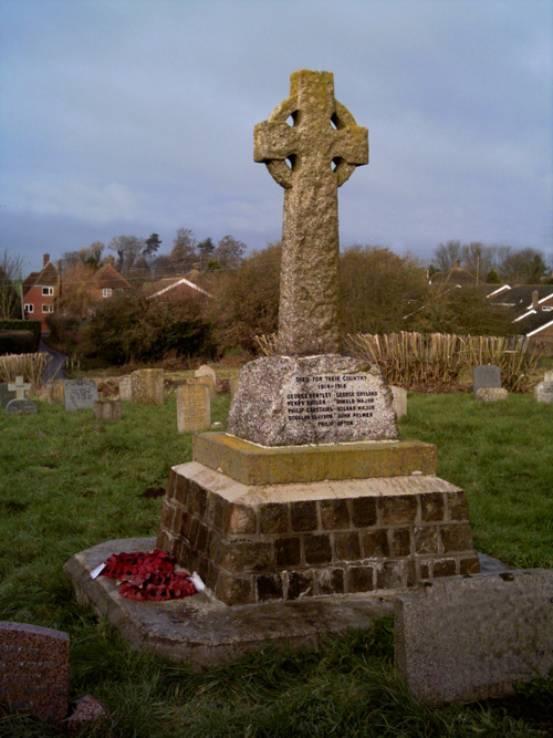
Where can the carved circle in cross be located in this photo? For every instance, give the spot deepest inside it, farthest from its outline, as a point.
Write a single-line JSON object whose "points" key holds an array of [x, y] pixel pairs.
{"points": [[281, 170]]}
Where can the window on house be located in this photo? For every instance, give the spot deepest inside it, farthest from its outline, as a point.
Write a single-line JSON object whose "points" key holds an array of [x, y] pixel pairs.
{"points": [[48, 291], [28, 307], [47, 308], [107, 292]]}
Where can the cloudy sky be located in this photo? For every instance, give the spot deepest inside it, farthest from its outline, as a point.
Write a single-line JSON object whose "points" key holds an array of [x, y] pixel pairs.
{"points": [[133, 116]]}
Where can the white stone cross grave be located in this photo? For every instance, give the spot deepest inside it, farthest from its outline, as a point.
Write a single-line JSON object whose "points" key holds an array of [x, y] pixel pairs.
{"points": [[20, 388]]}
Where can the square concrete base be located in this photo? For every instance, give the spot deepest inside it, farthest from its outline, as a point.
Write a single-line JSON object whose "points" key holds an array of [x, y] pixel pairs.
{"points": [[204, 631]]}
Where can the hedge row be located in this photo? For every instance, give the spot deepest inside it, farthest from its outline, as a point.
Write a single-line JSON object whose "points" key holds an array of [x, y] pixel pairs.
{"points": [[19, 336]]}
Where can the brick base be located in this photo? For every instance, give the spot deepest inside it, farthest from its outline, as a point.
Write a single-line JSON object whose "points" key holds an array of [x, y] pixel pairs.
{"points": [[256, 543]]}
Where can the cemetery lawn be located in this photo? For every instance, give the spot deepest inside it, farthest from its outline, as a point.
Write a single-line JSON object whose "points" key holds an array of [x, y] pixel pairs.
{"points": [[67, 483]]}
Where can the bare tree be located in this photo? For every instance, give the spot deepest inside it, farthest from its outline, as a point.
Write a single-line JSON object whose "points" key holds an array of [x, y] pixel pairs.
{"points": [[447, 255], [10, 286], [229, 252], [128, 249]]}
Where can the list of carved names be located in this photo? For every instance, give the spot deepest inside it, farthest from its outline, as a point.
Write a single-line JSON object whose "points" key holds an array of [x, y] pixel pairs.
{"points": [[330, 400]]}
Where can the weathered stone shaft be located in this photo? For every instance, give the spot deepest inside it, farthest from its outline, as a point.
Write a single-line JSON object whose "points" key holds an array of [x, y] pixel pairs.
{"points": [[310, 159]]}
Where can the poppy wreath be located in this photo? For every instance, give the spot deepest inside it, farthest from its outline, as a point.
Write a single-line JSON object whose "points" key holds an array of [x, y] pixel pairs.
{"points": [[149, 576]]}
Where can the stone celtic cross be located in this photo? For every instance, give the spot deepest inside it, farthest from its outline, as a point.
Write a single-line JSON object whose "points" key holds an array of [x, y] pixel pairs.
{"points": [[20, 388], [310, 158]]}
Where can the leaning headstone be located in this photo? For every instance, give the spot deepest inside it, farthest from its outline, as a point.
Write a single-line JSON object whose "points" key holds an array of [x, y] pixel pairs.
{"points": [[79, 394], [399, 401], [491, 394], [486, 376], [468, 639], [107, 409], [147, 386], [34, 670], [207, 376], [544, 390], [125, 388], [5, 394], [193, 408]]}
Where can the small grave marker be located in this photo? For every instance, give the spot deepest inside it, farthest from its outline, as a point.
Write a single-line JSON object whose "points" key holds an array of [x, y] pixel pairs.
{"points": [[486, 376], [107, 409], [467, 639], [193, 407], [544, 390], [125, 388], [399, 401], [207, 376], [80, 394], [34, 670], [5, 394], [19, 387], [147, 386], [21, 407]]}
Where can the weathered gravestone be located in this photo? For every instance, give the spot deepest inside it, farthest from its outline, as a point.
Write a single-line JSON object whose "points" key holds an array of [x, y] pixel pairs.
{"points": [[310, 492], [147, 386], [544, 390], [34, 670], [20, 405], [108, 409], [467, 639], [399, 401], [193, 408], [79, 394], [5, 394], [486, 376], [207, 376], [125, 388]]}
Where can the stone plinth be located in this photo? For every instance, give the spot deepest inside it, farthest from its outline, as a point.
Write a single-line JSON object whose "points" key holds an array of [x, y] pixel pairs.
{"points": [[293, 400], [253, 543], [250, 463]]}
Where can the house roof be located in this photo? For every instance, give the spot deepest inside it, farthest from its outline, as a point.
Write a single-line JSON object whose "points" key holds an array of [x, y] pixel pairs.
{"points": [[454, 276], [534, 321], [108, 276], [521, 295], [48, 277], [178, 286]]}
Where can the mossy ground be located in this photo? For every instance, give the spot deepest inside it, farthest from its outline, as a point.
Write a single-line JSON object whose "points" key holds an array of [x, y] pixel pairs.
{"points": [[67, 483]]}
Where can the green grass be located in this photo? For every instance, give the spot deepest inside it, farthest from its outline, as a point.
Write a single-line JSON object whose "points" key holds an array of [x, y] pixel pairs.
{"points": [[67, 483]]}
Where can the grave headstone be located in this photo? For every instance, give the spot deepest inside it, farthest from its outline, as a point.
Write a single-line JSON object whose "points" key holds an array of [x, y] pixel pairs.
{"points": [[5, 394], [108, 409], [399, 401], [207, 376], [193, 407], [79, 394], [125, 388], [147, 386], [21, 407], [467, 639], [486, 376], [19, 387], [544, 390], [34, 670]]}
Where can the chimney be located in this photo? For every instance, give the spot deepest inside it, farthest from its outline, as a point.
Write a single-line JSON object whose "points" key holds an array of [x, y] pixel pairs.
{"points": [[535, 300], [45, 259]]}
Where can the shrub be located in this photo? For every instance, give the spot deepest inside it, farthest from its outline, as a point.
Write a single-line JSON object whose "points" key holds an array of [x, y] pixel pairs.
{"points": [[19, 336]]}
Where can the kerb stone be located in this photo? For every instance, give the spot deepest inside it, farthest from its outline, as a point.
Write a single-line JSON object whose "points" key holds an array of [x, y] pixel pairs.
{"points": [[466, 639], [34, 670]]}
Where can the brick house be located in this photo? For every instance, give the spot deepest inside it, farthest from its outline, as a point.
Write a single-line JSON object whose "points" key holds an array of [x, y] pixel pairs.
{"points": [[40, 292], [107, 282]]}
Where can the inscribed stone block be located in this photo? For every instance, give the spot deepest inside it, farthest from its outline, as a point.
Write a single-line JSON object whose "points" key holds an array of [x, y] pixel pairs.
{"points": [[80, 394], [486, 376], [193, 408], [491, 394], [466, 639], [147, 386], [34, 670]]}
